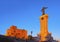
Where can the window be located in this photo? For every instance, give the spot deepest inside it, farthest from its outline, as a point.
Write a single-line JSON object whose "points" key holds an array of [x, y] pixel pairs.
{"points": [[42, 18], [12, 33]]}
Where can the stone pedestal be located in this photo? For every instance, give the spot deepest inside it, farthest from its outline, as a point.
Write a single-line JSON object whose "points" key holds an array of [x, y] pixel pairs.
{"points": [[45, 36], [44, 27]]}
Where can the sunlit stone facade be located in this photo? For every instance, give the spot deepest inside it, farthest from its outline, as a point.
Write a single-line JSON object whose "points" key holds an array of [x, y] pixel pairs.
{"points": [[18, 33], [44, 34], [44, 26]]}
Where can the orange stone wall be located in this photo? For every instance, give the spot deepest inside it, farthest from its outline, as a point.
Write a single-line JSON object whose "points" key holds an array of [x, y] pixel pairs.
{"points": [[18, 33]]}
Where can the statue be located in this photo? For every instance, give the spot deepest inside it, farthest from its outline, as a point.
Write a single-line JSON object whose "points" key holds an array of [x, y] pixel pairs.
{"points": [[43, 10]]}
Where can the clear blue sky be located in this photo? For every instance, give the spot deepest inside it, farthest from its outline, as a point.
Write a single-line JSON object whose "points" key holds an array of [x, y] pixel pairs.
{"points": [[25, 15]]}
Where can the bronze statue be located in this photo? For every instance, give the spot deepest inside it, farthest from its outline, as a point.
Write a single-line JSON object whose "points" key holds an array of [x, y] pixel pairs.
{"points": [[43, 10]]}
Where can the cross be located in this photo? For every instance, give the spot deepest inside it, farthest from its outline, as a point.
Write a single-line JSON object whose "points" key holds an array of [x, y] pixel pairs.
{"points": [[43, 10]]}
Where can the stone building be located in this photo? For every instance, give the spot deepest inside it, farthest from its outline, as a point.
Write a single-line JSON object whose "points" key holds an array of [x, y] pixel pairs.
{"points": [[15, 32]]}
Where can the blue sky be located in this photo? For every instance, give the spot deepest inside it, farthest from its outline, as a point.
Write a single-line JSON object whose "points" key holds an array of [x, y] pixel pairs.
{"points": [[25, 15]]}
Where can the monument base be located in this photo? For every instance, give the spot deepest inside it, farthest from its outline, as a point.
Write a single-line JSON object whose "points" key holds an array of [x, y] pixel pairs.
{"points": [[48, 38]]}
